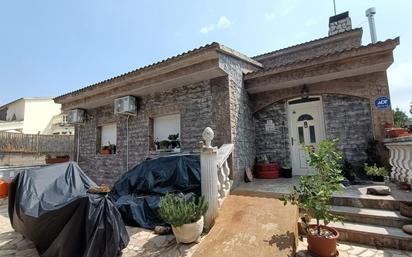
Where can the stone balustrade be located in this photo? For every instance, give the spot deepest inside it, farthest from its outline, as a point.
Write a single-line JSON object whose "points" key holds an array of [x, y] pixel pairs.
{"points": [[215, 172], [400, 151]]}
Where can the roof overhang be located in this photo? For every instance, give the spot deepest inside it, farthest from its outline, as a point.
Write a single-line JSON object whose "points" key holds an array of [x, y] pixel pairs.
{"points": [[190, 67], [347, 63]]}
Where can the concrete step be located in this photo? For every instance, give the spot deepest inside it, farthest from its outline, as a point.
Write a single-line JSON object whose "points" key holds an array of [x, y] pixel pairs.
{"points": [[371, 202], [378, 236], [371, 216]]}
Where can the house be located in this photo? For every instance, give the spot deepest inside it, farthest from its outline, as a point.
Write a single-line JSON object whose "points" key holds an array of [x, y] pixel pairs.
{"points": [[267, 105], [32, 115]]}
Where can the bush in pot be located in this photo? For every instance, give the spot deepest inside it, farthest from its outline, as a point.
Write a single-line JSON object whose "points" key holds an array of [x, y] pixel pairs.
{"points": [[186, 217], [313, 195], [377, 173]]}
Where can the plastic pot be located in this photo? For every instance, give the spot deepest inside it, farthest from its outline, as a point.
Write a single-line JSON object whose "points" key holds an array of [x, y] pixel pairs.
{"points": [[188, 233], [378, 178], [322, 246]]}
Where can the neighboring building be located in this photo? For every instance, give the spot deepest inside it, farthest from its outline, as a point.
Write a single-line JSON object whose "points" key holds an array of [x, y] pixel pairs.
{"points": [[58, 126], [266, 105], [29, 115]]}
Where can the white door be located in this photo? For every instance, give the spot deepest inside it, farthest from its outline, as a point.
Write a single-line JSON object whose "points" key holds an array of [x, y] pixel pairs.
{"points": [[306, 127]]}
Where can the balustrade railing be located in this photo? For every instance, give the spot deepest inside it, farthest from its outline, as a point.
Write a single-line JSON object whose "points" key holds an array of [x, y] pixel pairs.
{"points": [[215, 172], [400, 158]]}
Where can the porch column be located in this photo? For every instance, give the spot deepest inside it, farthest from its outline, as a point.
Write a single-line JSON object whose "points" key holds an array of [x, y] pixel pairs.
{"points": [[209, 179]]}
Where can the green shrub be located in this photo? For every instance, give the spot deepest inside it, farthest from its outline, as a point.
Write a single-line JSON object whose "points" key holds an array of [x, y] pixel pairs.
{"points": [[177, 211], [375, 171], [313, 194]]}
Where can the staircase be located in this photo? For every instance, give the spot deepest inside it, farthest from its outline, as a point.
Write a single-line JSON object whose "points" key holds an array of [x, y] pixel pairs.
{"points": [[372, 221]]}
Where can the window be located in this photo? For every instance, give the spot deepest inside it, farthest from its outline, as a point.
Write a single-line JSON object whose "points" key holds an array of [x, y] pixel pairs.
{"points": [[106, 139], [166, 132], [305, 117]]}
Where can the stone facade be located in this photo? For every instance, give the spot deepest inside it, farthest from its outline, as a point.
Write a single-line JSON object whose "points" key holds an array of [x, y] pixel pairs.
{"points": [[348, 118], [241, 120], [273, 143], [193, 102]]}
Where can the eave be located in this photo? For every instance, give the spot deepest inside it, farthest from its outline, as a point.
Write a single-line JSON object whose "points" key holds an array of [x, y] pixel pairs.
{"points": [[347, 63]]}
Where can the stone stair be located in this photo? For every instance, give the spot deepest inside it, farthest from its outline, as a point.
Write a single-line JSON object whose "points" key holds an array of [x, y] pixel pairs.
{"points": [[372, 221]]}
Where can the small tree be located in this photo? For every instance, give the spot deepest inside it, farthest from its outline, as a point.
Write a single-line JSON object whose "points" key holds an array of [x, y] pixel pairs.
{"points": [[399, 118], [313, 194]]}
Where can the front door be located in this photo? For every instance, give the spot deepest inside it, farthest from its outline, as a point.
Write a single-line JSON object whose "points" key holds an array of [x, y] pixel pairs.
{"points": [[306, 127]]}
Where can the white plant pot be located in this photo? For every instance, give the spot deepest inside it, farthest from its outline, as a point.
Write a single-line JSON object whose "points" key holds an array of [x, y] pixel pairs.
{"points": [[189, 233]]}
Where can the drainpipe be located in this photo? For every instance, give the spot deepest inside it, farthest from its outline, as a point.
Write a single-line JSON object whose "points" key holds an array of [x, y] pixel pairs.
{"points": [[78, 144], [127, 142], [370, 13]]}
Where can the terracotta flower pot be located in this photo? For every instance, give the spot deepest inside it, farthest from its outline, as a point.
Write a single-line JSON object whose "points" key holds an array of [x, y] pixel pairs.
{"points": [[104, 151], [404, 186], [322, 246], [189, 233]]}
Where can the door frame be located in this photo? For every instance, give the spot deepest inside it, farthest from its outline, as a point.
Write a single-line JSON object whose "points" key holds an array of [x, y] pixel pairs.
{"points": [[289, 121]]}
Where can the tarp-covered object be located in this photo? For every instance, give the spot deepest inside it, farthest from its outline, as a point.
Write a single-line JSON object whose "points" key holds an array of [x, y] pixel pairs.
{"points": [[51, 207], [137, 193]]}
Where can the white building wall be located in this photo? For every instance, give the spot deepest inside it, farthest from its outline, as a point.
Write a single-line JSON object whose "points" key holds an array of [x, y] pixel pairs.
{"points": [[38, 114], [16, 108]]}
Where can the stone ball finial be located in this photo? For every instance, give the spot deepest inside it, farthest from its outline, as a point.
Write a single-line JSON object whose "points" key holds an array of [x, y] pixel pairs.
{"points": [[208, 136]]}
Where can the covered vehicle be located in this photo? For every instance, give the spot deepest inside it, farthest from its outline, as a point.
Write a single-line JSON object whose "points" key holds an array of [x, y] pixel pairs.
{"points": [[51, 206], [137, 193]]}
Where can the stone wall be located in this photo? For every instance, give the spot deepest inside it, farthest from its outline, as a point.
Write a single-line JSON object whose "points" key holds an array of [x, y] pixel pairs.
{"points": [[193, 102], [241, 118], [348, 118], [273, 143]]}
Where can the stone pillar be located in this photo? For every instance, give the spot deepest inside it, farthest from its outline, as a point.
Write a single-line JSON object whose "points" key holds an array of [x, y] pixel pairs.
{"points": [[209, 179]]}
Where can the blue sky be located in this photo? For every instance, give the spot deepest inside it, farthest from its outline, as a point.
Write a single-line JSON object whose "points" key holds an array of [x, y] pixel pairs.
{"points": [[48, 48]]}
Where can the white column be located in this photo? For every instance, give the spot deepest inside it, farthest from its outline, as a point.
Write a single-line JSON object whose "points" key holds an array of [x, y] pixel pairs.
{"points": [[209, 180]]}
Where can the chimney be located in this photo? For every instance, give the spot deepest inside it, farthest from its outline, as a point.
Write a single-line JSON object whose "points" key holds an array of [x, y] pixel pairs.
{"points": [[339, 23], [370, 13]]}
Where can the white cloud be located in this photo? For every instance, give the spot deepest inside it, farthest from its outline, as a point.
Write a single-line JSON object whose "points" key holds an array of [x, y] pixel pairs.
{"points": [[270, 16], [400, 85], [222, 23], [207, 29]]}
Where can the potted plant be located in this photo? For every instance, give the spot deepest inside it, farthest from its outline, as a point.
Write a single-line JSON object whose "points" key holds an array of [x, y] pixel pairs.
{"points": [[105, 150], [185, 217], [164, 145], [286, 170], [377, 173], [112, 148], [174, 140], [404, 185], [313, 194]]}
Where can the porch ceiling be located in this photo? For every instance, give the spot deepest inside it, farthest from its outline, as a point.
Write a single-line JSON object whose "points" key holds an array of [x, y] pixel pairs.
{"points": [[348, 63]]}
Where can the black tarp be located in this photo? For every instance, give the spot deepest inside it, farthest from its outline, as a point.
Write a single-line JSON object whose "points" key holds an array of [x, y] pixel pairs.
{"points": [[51, 207], [137, 193]]}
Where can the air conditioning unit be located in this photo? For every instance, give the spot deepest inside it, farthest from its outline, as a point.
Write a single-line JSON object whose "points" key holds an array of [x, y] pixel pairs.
{"points": [[125, 105], [76, 116]]}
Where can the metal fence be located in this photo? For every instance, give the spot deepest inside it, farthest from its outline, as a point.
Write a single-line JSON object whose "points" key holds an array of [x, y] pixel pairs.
{"points": [[42, 144]]}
